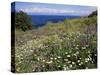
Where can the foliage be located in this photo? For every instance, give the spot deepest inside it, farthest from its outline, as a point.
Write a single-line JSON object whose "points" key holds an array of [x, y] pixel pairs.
{"points": [[22, 21], [80, 23], [93, 14], [67, 45]]}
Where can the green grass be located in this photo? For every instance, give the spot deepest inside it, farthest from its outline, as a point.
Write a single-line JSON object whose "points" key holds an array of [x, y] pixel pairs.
{"points": [[67, 45]]}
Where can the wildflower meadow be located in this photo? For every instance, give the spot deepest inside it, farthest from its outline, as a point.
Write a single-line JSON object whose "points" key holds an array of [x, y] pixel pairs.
{"points": [[67, 45]]}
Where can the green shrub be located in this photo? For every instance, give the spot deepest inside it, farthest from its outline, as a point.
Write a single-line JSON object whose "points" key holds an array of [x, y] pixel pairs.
{"points": [[23, 21]]}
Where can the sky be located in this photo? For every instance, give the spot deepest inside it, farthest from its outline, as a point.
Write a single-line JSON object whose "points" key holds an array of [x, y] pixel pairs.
{"points": [[53, 9]]}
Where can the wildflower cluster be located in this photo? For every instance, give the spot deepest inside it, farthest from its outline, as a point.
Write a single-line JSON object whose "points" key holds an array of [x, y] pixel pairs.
{"points": [[55, 49]]}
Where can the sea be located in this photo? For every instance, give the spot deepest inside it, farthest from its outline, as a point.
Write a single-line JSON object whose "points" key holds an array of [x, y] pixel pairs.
{"points": [[41, 20]]}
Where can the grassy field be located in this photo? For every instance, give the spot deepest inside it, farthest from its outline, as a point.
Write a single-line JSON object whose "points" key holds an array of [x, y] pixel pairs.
{"points": [[67, 45]]}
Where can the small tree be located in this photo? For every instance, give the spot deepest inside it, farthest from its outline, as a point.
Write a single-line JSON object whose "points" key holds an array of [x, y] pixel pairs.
{"points": [[23, 21]]}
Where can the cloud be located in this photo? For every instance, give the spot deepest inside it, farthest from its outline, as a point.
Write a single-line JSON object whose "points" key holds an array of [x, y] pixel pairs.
{"points": [[46, 10]]}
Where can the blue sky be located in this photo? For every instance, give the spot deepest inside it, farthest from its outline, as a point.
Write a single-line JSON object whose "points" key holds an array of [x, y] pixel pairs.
{"points": [[53, 9]]}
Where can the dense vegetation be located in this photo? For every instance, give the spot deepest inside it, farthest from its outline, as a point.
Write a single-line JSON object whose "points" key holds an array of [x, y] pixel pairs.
{"points": [[93, 14], [67, 45], [23, 21]]}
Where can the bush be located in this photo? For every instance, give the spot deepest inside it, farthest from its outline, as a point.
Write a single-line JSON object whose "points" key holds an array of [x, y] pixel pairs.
{"points": [[23, 21], [79, 25]]}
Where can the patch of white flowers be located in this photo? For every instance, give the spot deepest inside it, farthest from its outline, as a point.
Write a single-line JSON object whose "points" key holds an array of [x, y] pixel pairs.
{"points": [[55, 51]]}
